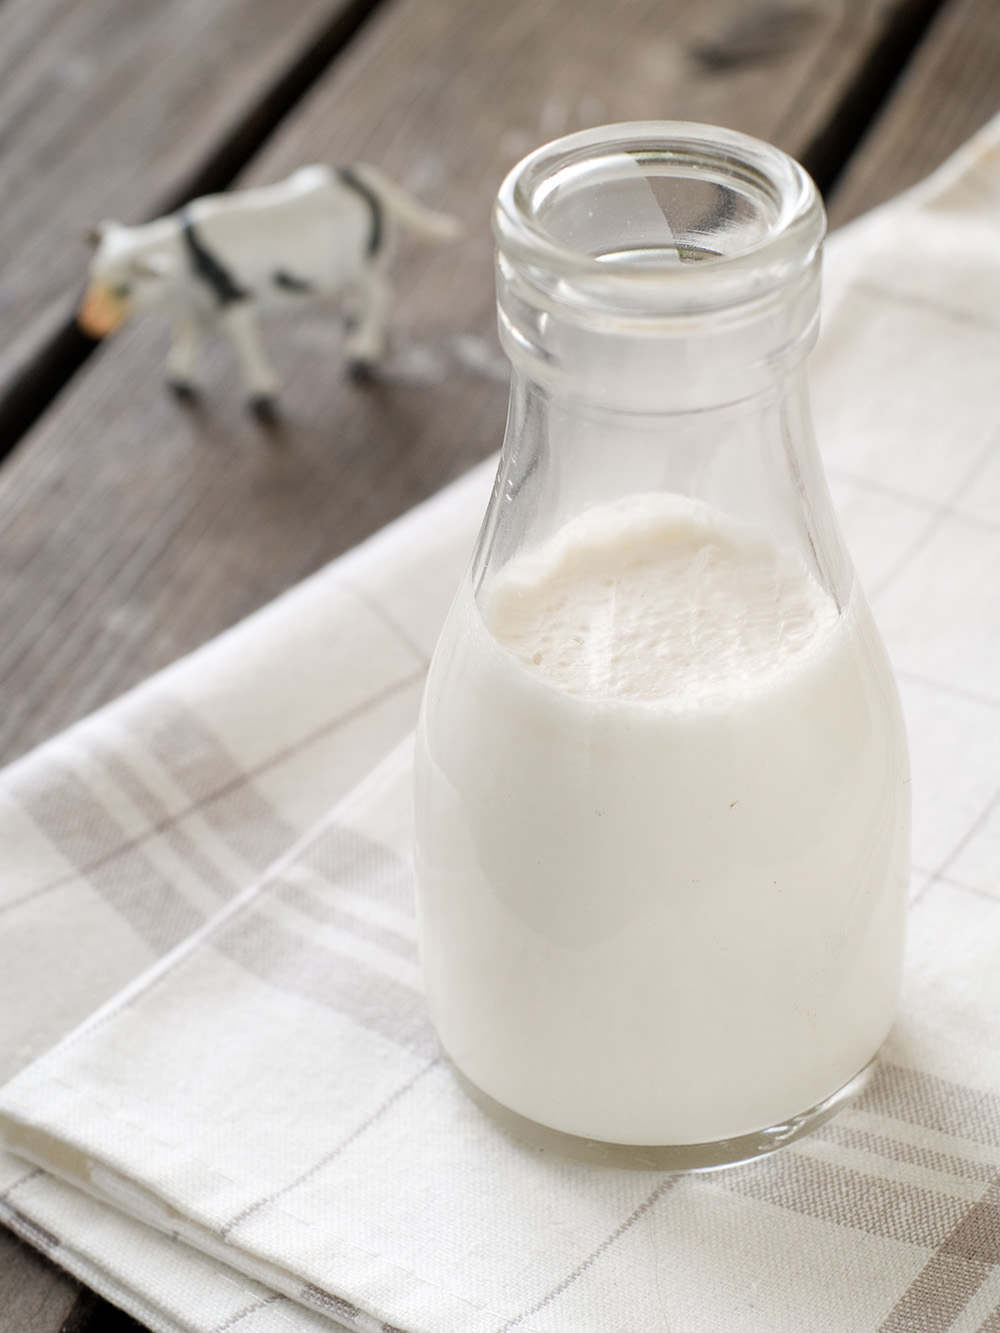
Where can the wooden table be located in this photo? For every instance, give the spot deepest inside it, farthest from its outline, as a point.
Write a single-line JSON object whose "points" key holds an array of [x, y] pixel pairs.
{"points": [[131, 529]]}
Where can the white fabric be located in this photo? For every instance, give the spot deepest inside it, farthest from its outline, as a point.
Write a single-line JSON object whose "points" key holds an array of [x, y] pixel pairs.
{"points": [[258, 1131]]}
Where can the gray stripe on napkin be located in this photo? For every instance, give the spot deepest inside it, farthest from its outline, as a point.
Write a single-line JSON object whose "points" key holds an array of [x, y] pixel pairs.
{"points": [[331, 914], [156, 811], [850, 1198], [936, 1103], [391, 1101], [327, 1302], [380, 1111], [899, 1151], [977, 1236], [30, 1174], [211, 778], [261, 1303], [328, 977], [83, 831], [199, 804], [594, 1255], [343, 856], [41, 1237], [946, 1284], [937, 1296]]}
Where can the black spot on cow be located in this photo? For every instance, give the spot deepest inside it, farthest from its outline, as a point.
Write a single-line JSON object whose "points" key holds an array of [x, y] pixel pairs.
{"points": [[288, 282], [353, 181], [206, 266]]}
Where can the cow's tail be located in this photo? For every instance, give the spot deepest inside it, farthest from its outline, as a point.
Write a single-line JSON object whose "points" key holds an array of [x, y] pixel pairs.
{"points": [[409, 212]]}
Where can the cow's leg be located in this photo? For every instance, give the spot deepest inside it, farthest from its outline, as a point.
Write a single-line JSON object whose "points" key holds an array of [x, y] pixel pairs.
{"points": [[182, 360], [365, 342], [239, 323]]}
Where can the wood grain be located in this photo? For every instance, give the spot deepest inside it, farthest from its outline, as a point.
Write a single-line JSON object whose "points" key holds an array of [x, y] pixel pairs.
{"points": [[133, 530], [35, 1297], [109, 109], [947, 92]]}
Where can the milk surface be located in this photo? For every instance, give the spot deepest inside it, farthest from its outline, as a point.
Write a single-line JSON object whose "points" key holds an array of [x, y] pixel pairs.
{"points": [[657, 599], [661, 830]]}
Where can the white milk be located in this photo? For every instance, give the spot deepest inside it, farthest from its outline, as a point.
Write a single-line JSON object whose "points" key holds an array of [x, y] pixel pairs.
{"points": [[661, 831]]}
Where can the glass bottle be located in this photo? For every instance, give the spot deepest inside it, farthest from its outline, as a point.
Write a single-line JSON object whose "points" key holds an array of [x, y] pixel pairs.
{"points": [[662, 790]]}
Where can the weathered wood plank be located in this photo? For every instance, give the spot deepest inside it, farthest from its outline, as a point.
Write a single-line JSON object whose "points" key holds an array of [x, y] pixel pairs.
{"points": [[35, 1297], [133, 531], [116, 107], [949, 89]]}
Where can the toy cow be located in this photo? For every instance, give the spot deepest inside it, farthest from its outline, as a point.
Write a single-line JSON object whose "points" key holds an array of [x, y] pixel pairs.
{"points": [[325, 232]]}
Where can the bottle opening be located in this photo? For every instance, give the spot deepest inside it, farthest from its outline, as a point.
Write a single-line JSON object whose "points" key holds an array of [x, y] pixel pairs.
{"points": [[658, 218]]}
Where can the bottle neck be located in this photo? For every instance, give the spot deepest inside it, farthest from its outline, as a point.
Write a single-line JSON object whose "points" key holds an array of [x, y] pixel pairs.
{"points": [[658, 290], [753, 459], [576, 352], [657, 267]]}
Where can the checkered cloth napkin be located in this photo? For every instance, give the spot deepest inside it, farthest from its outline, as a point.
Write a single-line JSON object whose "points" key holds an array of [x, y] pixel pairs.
{"points": [[257, 1132]]}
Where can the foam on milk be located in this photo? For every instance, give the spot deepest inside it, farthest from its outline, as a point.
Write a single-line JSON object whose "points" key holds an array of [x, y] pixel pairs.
{"points": [[661, 833], [656, 598]]}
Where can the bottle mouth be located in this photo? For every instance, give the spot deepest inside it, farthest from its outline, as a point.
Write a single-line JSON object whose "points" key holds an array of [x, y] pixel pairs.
{"points": [[657, 218]]}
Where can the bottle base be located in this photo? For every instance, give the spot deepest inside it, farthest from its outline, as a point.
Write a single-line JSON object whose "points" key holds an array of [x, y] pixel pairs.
{"points": [[684, 1157]]}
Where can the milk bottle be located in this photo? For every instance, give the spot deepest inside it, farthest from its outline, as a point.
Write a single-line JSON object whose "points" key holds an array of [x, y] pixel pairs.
{"points": [[662, 800]]}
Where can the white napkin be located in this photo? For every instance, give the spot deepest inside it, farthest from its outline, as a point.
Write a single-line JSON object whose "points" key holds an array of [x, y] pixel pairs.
{"points": [[258, 1132]]}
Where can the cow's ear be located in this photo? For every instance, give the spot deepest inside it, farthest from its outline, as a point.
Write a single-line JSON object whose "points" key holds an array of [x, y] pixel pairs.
{"points": [[156, 264]]}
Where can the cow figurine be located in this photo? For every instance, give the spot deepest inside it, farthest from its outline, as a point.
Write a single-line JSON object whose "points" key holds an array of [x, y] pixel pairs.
{"points": [[325, 232]]}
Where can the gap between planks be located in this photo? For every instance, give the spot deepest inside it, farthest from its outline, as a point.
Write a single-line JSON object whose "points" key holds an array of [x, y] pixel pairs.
{"points": [[67, 349], [829, 153]]}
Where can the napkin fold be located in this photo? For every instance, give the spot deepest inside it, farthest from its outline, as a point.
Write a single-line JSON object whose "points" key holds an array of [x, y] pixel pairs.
{"points": [[258, 1131]]}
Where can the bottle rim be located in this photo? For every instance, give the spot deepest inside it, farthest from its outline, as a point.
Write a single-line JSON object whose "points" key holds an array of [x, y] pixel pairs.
{"points": [[790, 222]]}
